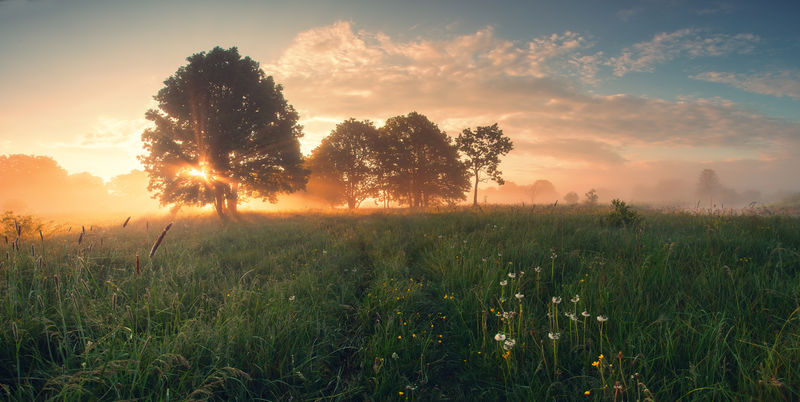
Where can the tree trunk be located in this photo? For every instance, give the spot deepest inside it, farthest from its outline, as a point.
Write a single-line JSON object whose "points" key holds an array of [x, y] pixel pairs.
{"points": [[232, 199], [475, 196], [219, 199]]}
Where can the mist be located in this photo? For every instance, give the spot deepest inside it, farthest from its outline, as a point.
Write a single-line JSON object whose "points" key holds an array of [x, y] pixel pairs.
{"points": [[37, 185]]}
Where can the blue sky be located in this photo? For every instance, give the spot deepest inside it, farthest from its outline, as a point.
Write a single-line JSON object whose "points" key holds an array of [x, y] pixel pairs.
{"points": [[590, 91]]}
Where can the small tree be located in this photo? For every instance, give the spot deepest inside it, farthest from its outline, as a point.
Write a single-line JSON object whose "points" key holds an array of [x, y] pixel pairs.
{"points": [[483, 148], [571, 198], [591, 197], [346, 160], [622, 215], [223, 132], [708, 185]]}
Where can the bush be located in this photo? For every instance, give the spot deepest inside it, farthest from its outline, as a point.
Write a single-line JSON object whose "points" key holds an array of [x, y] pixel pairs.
{"points": [[622, 215]]}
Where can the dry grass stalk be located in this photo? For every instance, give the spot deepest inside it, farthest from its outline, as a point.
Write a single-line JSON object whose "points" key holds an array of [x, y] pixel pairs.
{"points": [[160, 239], [126, 222], [137, 264]]}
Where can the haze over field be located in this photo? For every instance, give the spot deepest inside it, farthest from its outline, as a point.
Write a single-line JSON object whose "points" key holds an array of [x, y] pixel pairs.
{"points": [[634, 99]]}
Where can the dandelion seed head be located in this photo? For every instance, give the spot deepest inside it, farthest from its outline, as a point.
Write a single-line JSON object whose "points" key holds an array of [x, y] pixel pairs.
{"points": [[512, 275], [503, 282], [585, 313], [291, 298], [556, 300], [499, 337], [575, 299], [602, 318], [519, 296], [554, 335]]}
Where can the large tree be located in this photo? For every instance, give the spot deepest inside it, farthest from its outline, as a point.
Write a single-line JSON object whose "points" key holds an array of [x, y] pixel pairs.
{"points": [[483, 148], [223, 132], [419, 164], [346, 159]]}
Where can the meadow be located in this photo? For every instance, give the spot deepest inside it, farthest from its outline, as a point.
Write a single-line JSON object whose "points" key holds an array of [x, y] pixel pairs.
{"points": [[503, 303]]}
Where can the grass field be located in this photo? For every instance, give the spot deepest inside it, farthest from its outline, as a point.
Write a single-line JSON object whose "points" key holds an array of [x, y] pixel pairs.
{"points": [[459, 305]]}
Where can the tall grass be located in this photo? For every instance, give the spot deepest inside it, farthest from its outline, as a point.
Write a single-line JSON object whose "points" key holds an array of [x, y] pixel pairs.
{"points": [[407, 306]]}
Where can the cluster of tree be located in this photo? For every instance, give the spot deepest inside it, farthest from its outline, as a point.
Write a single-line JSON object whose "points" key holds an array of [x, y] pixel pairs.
{"points": [[224, 132], [409, 161]]}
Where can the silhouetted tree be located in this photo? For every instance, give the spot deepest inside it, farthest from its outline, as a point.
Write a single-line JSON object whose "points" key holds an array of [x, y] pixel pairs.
{"points": [[571, 197], [483, 148], [543, 190], [419, 166], [346, 160], [708, 184], [591, 197], [223, 132]]}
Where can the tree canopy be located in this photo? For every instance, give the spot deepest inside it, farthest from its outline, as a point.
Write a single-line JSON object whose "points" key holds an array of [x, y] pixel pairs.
{"points": [[223, 132], [346, 160], [483, 148], [419, 165]]}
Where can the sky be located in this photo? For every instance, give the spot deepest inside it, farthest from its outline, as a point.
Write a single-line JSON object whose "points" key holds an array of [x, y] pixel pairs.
{"points": [[615, 95]]}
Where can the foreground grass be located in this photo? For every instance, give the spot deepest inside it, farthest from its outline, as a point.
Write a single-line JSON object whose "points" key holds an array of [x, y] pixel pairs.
{"points": [[397, 306]]}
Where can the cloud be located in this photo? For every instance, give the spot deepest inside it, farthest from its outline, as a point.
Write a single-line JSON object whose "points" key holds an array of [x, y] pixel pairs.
{"points": [[784, 83], [109, 132], [643, 56], [718, 8], [559, 129], [628, 13]]}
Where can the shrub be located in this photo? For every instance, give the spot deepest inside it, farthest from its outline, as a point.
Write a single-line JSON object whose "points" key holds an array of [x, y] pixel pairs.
{"points": [[622, 214]]}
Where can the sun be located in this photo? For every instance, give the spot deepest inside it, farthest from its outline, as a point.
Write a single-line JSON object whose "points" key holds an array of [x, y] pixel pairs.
{"points": [[198, 173]]}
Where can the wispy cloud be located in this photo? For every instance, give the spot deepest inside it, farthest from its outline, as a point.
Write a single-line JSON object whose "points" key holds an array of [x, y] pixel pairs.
{"points": [[784, 83], [628, 13], [110, 132], [479, 79], [718, 8], [692, 43]]}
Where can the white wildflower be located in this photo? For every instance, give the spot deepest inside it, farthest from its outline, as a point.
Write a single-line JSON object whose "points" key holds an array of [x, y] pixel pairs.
{"points": [[503, 282], [602, 318], [519, 296], [512, 275], [556, 300], [554, 335], [499, 337], [575, 299], [291, 298]]}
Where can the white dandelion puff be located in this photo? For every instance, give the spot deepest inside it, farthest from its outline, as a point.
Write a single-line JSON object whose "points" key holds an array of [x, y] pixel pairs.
{"points": [[499, 337]]}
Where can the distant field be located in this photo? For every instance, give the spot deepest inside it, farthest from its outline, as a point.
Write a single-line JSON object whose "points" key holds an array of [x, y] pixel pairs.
{"points": [[407, 305]]}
